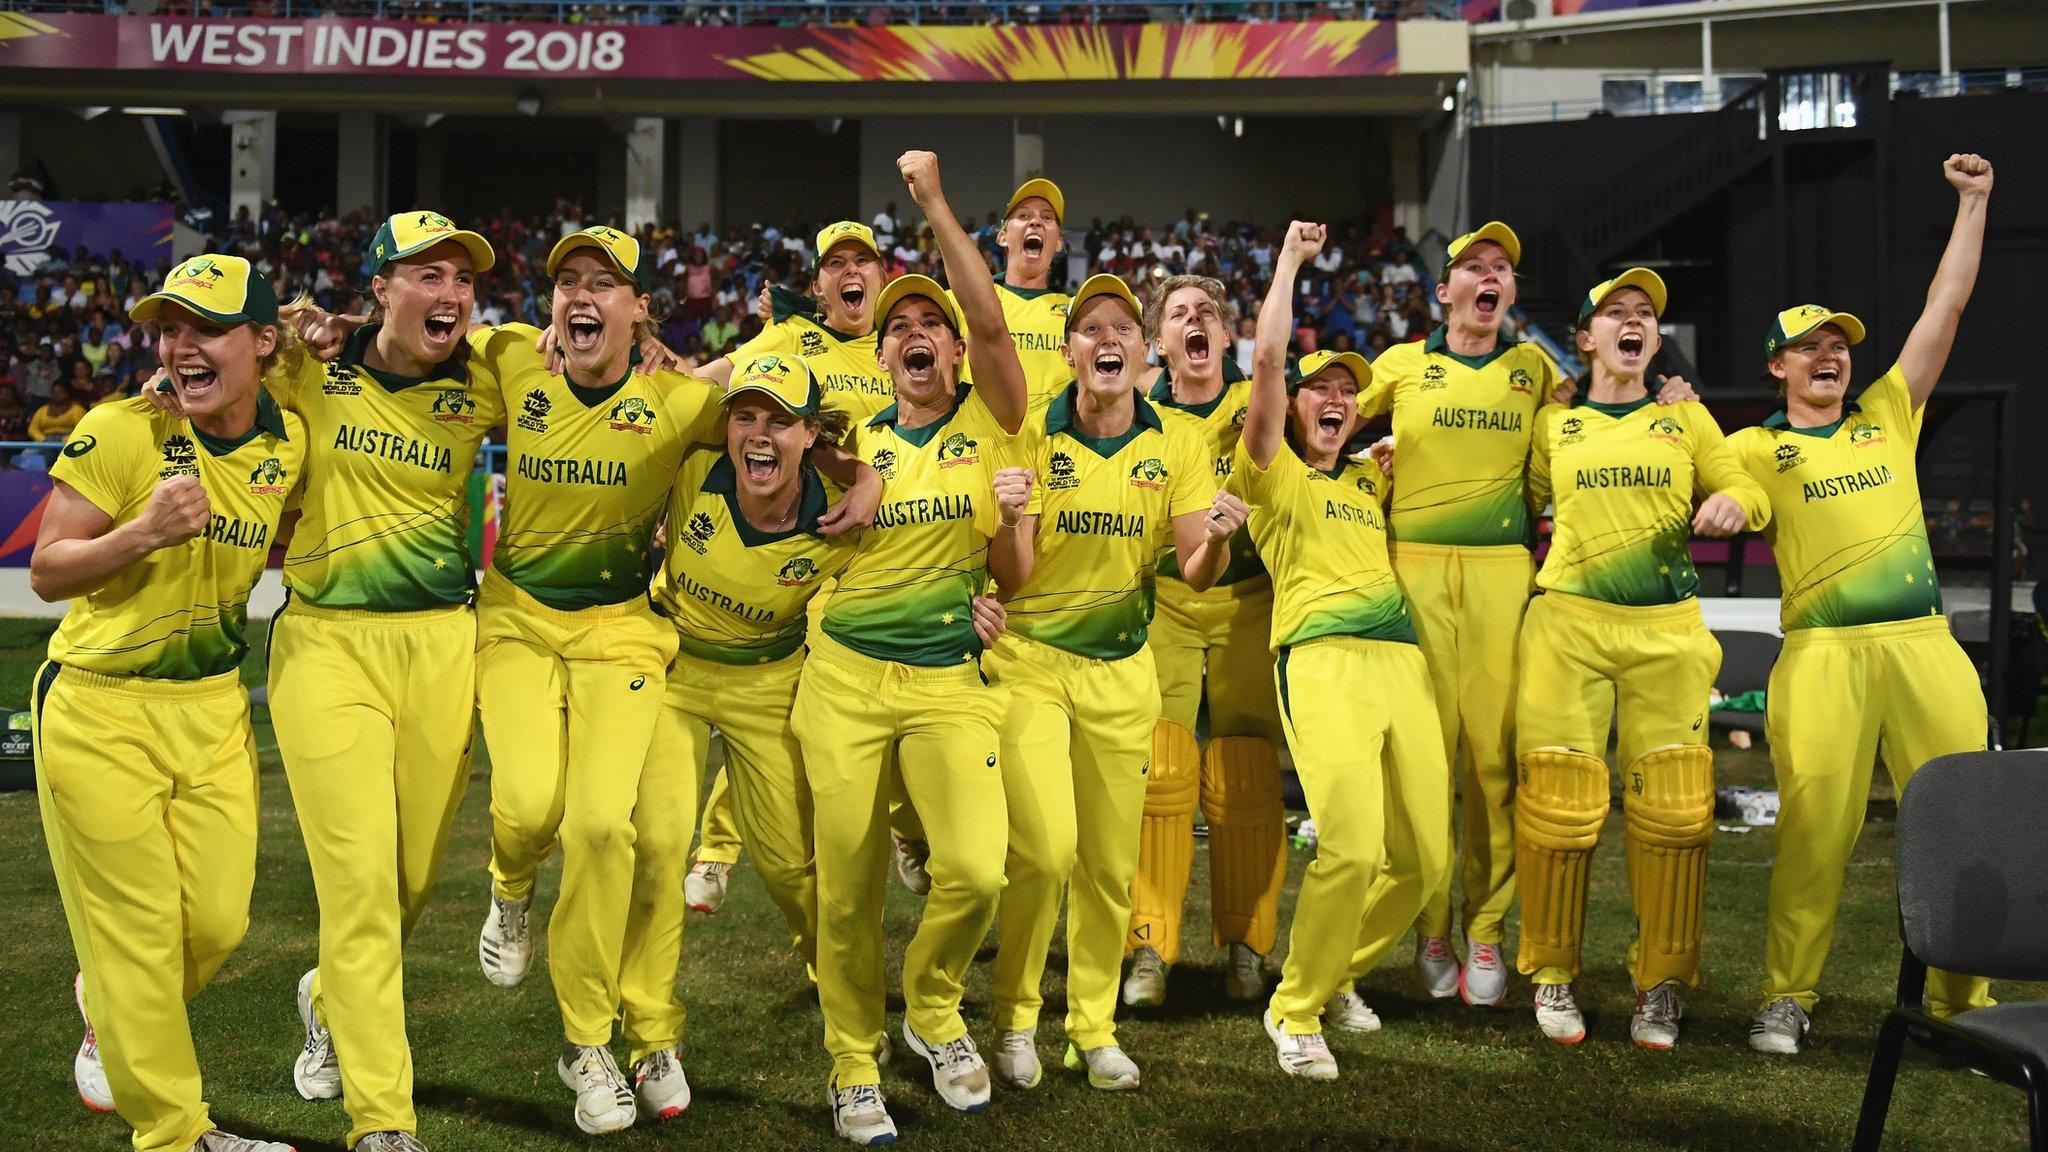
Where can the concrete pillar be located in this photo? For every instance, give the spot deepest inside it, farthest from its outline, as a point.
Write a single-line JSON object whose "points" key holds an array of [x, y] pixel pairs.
{"points": [[696, 200], [1406, 176], [1710, 85], [1027, 150], [427, 190], [252, 160], [643, 172], [359, 163]]}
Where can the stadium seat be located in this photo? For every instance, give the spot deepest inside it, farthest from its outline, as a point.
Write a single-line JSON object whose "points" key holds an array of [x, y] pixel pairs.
{"points": [[1973, 884], [1746, 659]]}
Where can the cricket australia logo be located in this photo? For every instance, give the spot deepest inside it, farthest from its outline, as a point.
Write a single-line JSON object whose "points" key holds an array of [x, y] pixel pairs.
{"points": [[884, 463], [1149, 473], [1520, 381], [533, 411], [1788, 457], [1863, 434], [1434, 377], [1368, 486], [180, 458], [453, 406], [632, 415], [958, 449], [267, 479], [699, 531], [200, 272], [1237, 417], [341, 381], [797, 572], [1061, 475], [1668, 430]]}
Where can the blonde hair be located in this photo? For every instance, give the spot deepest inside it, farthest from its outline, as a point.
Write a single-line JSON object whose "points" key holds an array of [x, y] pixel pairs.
{"points": [[1155, 306]]}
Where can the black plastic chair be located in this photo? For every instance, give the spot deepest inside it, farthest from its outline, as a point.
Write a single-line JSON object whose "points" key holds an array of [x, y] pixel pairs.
{"points": [[1973, 897]]}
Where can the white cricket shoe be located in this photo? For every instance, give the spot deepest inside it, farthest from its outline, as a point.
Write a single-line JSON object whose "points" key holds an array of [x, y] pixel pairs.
{"points": [[704, 887], [1438, 965], [859, 1115], [957, 1070], [1483, 982], [1306, 1055], [86, 1069], [912, 857], [660, 1086], [604, 1101], [1557, 1013], [1017, 1059], [505, 947], [317, 1071], [1244, 974], [1348, 1011], [1780, 1028], [1145, 987], [390, 1142], [215, 1140], [1655, 1024], [1107, 1067]]}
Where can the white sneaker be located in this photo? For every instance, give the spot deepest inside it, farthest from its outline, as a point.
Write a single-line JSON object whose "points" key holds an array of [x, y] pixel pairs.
{"points": [[1780, 1028], [885, 1050], [505, 947], [1483, 982], [1438, 965], [1244, 974], [1557, 1013], [1107, 1067], [1017, 1059], [1655, 1024], [660, 1086], [911, 859], [1145, 987], [1306, 1055], [317, 1071], [957, 1070], [1348, 1011], [859, 1115], [604, 1101], [390, 1142], [86, 1070], [704, 887], [215, 1140]]}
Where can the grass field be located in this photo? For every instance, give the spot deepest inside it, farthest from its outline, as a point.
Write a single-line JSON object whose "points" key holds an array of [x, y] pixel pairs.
{"points": [[1438, 1077]]}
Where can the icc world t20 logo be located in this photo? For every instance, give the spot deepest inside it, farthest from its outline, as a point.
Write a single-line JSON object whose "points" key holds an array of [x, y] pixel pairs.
{"points": [[1061, 474], [1788, 457], [453, 406], [180, 458], [884, 463], [632, 415], [267, 479], [533, 411], [699, 531]]}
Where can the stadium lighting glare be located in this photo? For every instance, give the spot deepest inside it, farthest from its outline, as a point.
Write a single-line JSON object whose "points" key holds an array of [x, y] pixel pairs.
{"points": [[152, 110], [90, 111], [1223, 123], [1237, 129], [527, 103], [1450, 103]]}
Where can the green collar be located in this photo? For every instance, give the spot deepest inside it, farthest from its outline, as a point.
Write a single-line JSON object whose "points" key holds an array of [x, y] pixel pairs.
{"points": [[1781, 420], [1438, 343], [922, 436], [268, 419], [592, 397], [1059, 417], [1615, 410], [1162, 392], [455, 367], [723, 479], [836, 334], [1026, 293]]}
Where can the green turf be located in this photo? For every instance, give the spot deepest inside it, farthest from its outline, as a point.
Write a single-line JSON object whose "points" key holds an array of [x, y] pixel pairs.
{"points": [[1439, 1076]]}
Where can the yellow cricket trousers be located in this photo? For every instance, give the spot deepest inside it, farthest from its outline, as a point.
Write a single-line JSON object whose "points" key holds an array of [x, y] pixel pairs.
{"points": [[718, 838], [374, 712], [1467, 605], [148, 797], [568, 702], [1076, 741], [850, 711], [1839, 696], [1216, 644], [1362, 725]]}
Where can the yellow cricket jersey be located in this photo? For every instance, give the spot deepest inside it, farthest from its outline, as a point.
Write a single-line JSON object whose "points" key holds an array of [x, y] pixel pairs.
{"points": [[588, 472], [1105, 508], [1037, 320], [736, 594], [384, 522], [907, 595], [1847, 526], [1324, 539], [1463, 426], [1219, 423], [178, 613], [1625, 479], [848, 374]]}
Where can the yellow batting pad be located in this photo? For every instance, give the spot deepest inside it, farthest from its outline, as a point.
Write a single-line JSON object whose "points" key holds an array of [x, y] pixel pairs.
{"points": [[1247, 841], [1668, 799], [1166, 845], [1559, 808]]}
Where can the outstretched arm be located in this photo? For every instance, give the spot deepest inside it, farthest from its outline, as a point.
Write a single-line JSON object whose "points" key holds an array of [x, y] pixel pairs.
{"points": [[1265, 417], [998, 377], [1927, 346]]}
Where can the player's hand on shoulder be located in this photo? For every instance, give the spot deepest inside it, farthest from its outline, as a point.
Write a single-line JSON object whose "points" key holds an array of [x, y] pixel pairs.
{"points": [[162, 394], [325, 334], [1381, 453], [1675, 390], [177, 511]]}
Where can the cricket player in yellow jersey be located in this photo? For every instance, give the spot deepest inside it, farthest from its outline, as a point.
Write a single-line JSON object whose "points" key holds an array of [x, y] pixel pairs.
{"points": [[1213, 644], [895, 668], [1869, 662], [372, 663], [1617, 629], [1354, 694], [1036, 312], [157, 526], [1102, 484], [839, 340]]}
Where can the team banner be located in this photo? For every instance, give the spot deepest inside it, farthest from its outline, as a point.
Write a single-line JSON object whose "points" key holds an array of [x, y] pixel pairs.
{"points": [[1314, 49], [32, 231]]}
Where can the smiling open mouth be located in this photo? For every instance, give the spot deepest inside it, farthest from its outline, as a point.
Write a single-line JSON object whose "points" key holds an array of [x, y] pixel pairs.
{"points": [[1034, 245], [852, 294], [585, 333], [1198, 346], [192, 380], [441, 329], [1331, 423], [1109, 365], [762, 466], [1631, 345], [1829, 374]]}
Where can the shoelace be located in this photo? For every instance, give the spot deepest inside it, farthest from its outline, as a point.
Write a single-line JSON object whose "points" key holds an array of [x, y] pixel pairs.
{"points": [[862, 1098], [1438, 949], [1148, 963], [91, 1045], [512, 916], [1785, 1014], [959, 1055], [1018, 1042], [1555, 996], [1660, 1006], [715, 869], [655, 1066], [1312, 1045], [1485, 956]]}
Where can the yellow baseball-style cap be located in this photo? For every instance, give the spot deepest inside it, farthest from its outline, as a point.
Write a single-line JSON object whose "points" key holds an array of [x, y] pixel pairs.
{"points": [[1793, 323], [1492, 230], [1102, 284], [782, 377], [843, 231], [1314, 362], [904, 287], [409, 232], [1651, 284], [221, 288], [622, 250], [1040, 187]]}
